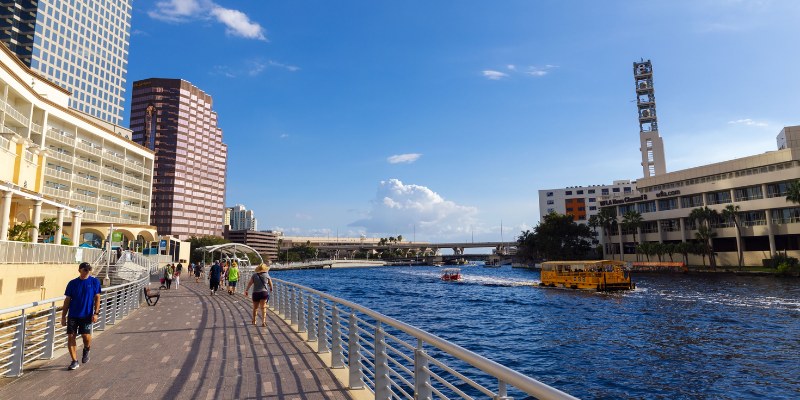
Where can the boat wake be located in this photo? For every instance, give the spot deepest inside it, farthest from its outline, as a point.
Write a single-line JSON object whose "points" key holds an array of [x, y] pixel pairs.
{"points": [[477, 279]]}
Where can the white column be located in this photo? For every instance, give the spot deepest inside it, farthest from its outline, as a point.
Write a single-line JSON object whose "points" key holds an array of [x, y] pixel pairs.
{"points": [[37, 218], [772, 248], [5, 217], [60, 229], [683, 229], [76, 227]]}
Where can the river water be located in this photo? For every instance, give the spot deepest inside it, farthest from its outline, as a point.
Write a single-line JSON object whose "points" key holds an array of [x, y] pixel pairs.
{"points": [[674, 337]]}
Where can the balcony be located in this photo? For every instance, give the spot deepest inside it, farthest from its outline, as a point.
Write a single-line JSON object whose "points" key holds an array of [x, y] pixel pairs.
{"points": [[51, 191], [110, 188], [15, 114], [61, 156], [85, 181], [89, 148], [36, 128], [131, 194], [111, 173], [134, 180], [54, 173], [109, 203], [84, 198], [87, 165]]}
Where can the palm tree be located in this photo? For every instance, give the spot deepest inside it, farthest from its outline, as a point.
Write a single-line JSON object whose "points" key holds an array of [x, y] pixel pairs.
{"points": [[793, 192], [645, 248], [607, 220], [704, 216], [731, 214], [670, 249], [684, 248], [631, 221]]}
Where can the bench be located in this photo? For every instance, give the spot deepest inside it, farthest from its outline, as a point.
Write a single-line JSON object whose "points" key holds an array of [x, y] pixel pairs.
{"points": [[149, 295]]}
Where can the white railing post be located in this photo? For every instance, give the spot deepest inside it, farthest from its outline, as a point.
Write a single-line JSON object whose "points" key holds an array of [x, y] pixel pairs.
{"points": [[502, 391], [282, 302], [422, 376], [382, 386], [50, 335], [356, 380], [103, 310], [337, 352], [322, 329], [301, 312], [115, 296], [18, 352], [312, 330], [293, 307]]}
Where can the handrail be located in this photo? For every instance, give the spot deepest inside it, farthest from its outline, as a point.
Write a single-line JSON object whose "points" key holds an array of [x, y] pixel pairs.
{"points": [[33, 333], [300, 310]]}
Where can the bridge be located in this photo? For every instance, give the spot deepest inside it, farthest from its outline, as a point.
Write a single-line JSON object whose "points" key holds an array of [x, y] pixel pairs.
{"points": [[503, 248]]}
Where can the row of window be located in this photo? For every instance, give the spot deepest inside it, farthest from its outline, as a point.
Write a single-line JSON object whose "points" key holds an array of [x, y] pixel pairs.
{"points": [[604, 191]]}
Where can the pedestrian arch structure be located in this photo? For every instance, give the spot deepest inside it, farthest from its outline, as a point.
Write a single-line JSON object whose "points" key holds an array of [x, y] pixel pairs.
{"points": [[244, 255]]}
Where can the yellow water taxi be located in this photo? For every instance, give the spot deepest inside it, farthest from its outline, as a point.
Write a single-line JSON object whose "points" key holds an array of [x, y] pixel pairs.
{"points": [[598, 275]]}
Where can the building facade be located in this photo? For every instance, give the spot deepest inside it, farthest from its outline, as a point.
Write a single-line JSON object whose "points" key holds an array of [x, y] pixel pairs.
{"points": [[582, 201], [81, 45], [56, 162], [755, 186], [264, 242], [651, 144], [241, 219], [175, 119]]}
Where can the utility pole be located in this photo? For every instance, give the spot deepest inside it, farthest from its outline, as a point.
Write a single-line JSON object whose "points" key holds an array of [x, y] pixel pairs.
{"points": [[107, 280]]}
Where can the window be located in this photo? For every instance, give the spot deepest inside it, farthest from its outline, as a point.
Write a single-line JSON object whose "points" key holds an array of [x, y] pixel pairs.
{"points": [[604, 192], [646, 207], [748, 193], [581, 201], [591, 191], [720, 197], [568, 192], [549, 194], [579, 192], [626, 189], [550, 202], [692, 201], [777, 189], [668, 204], [569, 208], [615, 190], [592, 208]]}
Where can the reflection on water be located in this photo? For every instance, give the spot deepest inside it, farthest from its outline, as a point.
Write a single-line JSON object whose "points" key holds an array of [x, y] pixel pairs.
{"points": [[675, 336]]}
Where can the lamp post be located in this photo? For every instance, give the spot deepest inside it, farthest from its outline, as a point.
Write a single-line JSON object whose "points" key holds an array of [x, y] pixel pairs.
{"points": [[107, 280]]}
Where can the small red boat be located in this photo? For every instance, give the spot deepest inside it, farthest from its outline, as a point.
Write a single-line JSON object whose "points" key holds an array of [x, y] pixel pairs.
{"points": [[451, 274]]}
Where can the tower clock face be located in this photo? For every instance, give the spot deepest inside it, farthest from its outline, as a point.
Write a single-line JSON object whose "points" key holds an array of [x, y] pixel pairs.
{"points": [[641, 69]]}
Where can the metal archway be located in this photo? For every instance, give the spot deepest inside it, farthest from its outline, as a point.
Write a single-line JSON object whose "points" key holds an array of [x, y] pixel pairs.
{"points": [[229, 252]]}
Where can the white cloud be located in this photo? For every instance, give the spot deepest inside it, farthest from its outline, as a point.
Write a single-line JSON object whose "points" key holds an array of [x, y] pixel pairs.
{"points": [[236, 22], [401, 208], [284, 135], [494, 75], [290, 68], [748, 122], [539, 71], [404, 158]]}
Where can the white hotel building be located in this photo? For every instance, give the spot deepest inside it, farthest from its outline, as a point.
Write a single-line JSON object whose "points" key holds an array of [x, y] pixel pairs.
{"points": [[59, 162]]}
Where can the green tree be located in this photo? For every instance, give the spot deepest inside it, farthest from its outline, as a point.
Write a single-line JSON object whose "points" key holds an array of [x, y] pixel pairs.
{"points": [[793, 192], [202, 241], [399, 238], [645, 248], [631, 221], [558, 237], [704, 217], [606, 219], [20, 232], [48, 227], [526, 246], [670, 249], [684, 248], [731, 214]]}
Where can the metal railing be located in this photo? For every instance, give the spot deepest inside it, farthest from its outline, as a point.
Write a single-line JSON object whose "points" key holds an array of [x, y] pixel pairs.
{"points": [[395, 360], [44, 253], [32, 331]]}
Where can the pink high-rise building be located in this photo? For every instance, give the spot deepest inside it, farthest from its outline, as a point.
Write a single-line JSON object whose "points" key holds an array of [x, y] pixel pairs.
{"points": [[174, 118]]}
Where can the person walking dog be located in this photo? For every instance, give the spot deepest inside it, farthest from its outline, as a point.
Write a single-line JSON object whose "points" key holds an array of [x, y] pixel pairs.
{"points": [[80, 311]]}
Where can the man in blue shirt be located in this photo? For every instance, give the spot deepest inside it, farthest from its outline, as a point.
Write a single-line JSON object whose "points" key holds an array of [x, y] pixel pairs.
{"points": [[82, 302]]}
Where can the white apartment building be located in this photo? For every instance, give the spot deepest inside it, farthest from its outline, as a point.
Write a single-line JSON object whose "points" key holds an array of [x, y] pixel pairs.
{"points": [[82, 165], [81, 45], [241, 219], [582, 201]]}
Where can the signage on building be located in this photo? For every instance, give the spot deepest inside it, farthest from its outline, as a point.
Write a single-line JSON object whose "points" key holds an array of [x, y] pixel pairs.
{"points": [[162, 245], [625, 200], [667, 194]]}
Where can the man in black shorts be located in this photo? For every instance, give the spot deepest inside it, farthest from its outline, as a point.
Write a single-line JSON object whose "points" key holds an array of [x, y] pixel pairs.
{"points": [[82, 302]]}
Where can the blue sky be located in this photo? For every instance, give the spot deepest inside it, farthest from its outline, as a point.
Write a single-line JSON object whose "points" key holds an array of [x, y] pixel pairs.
{"points": [[444, 118]]}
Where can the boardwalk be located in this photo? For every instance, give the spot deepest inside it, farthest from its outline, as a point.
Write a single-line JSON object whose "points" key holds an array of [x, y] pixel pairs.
{"points": [[190, 346]]}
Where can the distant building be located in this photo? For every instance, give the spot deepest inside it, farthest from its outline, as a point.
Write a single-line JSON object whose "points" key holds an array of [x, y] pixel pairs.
{"points": [[264, 242], [175, 119], [240, 218], [581, 202], [81, 45]]}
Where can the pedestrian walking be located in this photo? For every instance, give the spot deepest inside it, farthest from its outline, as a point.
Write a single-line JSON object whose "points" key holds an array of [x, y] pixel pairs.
{"points": [[262, 287], [225, 267], [178, 271], [80, 311], [233, 277], [214, 275], [198, 271], [169, 272]]}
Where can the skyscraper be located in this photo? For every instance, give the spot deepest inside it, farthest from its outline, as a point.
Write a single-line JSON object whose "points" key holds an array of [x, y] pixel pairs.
{"points": [[174, 118], [81, 45], [242, 219], [650, 142]]}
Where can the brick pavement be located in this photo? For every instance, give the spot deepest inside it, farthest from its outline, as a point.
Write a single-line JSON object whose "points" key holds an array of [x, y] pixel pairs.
{"points": [[189, 346]]}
